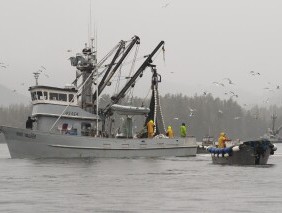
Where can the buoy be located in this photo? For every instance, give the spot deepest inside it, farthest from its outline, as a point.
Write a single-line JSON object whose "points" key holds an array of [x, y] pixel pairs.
{"points": [[235, 149], [274, 147]]}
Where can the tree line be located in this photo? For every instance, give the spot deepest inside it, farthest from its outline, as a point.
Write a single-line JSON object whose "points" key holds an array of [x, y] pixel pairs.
{"points": [[204, 115]]}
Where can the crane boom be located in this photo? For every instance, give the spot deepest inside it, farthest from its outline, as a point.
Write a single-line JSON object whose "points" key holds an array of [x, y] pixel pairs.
{"points": [[121, 94], [108, 75]]}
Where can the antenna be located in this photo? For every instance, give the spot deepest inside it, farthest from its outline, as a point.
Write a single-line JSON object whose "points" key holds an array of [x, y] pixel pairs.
{"points": [[36, 76], [90, 21]]}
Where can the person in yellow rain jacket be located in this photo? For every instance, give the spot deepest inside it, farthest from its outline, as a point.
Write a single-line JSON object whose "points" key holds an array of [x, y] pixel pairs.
{"points": [[222, 139], [169, 132], [150, 129]]}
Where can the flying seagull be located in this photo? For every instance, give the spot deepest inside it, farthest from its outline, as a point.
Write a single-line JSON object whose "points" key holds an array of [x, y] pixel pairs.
{"points": [[254, 73], [229, 80], [218, 83], [164, 6]]}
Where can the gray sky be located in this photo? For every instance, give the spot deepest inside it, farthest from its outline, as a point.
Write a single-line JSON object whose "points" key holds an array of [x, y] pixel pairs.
{"points": [[206, 41]]}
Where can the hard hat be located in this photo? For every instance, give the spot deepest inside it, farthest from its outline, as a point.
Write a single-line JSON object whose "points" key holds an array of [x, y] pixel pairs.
{"points": [[169, 127], [222, 134]]}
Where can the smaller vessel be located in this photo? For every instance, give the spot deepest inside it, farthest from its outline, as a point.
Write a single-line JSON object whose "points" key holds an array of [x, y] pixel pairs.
{"points": [[273, 133], [254, 152], [207, 141]]}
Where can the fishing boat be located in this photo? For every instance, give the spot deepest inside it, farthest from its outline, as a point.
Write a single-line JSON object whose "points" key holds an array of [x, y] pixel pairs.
{"points": [[254, 152], [273, 133], [68, 122], [207, 141]]}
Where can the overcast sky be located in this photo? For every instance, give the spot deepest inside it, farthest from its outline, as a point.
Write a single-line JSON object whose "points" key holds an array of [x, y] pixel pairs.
{"points": [[206, 41]]}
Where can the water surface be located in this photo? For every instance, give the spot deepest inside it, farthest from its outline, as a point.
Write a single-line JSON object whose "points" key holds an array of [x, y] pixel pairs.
{"points": [[191, 184]]}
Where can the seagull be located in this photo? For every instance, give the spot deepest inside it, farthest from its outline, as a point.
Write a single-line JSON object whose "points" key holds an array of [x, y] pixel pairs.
{"points": [[254, 73], [237, 118], [218, 84], [204, 93], [68, 51], [232, 92], [277, 87], [192, 110], [14, 90], [229, 80], [175, 118], [164, 6], [3, 66], [220, 111], [266, 101], [234, 96], [191, 114]]}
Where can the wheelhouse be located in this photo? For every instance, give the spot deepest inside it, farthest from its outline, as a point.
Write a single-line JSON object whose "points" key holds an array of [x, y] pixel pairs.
{"points": [[53, 95]]}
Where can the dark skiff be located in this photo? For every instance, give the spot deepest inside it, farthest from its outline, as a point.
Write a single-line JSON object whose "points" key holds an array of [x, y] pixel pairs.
{"points": [[254, 152]]}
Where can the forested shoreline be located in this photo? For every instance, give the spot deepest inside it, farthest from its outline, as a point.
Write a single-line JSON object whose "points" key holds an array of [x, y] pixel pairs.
{"points": [[204, 115]]}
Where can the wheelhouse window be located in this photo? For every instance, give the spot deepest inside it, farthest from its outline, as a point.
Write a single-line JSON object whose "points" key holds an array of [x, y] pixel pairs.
{"points": [[33, 96], [62, 97], [39, 95], [71, 99], [45, 97], [53, 96]]}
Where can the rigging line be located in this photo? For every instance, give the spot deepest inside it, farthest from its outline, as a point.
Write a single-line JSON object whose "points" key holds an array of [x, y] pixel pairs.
{"points": [[158, 53], [134, 59], [118, 79], [138, 59], [72, 99], [119, 73], [130, 72], [149, 90]]}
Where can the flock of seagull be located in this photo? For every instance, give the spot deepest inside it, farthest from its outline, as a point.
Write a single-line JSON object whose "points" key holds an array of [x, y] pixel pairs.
{"points": [[41, 70], [232, 94]]}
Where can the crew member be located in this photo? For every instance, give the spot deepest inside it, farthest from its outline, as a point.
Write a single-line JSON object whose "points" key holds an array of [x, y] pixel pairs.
{"points": [[150, 129], [29, 122], [183, 130], [222, 139], [169, 132]]}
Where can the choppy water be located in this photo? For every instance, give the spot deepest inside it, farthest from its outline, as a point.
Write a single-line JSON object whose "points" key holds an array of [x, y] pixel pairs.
{"points": [[138, 185]]}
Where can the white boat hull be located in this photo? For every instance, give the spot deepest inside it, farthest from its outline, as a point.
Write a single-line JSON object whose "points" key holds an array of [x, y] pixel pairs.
{"points": [[24, 143]]}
